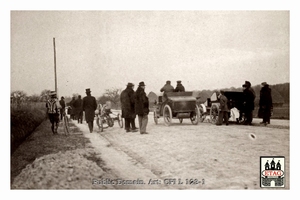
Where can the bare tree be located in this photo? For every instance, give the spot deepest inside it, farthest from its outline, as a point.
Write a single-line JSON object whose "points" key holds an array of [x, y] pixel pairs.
{"points": [[45, 94], [113, 95]]}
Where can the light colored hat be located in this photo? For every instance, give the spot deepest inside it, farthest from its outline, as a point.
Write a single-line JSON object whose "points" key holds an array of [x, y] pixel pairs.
{"points": [[52, 93]]}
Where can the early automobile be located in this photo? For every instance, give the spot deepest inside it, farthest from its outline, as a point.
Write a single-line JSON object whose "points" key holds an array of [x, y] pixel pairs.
{"points": [[235, 105], [178, 105]]}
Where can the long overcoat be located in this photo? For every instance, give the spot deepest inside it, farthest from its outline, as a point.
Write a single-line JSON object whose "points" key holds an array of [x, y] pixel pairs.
{"points": [[89, 105], [249, 97], [77, 106], [127, 103], [141, 102], [265, 101]]}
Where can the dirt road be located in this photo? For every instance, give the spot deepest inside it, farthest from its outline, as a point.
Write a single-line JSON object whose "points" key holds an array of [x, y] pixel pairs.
{"points": [[186, 156]]}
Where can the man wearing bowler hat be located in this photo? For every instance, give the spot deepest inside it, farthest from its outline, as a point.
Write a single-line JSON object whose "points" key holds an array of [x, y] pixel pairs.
{"points": [[127, 105], [142, 107], [89, 105]]}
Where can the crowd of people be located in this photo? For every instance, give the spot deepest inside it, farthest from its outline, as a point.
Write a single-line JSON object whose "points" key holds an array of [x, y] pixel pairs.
{"points": [[136, 103], [265, 105]]}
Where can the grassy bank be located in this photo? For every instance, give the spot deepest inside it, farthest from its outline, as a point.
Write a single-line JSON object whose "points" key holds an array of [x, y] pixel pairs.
{"points": [[24, 120]]}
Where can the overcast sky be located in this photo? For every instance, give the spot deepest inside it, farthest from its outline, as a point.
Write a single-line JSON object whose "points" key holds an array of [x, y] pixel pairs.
{"points": [[107, 49]]}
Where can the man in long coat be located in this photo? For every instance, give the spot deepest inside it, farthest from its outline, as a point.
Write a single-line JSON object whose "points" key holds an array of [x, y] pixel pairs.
{"points": [[249, 97], [71, 104], [142, 107], [127, 105], [78, 109], [89, 105], [265, 104]]}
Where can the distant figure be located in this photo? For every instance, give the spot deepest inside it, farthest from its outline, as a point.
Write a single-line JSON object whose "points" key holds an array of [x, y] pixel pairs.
{"points": [[63, 106], [249, 96], [142, 107], [223, 110], [78, 109], [71, 104], [167, 88], [179, 87], [89, 105], [127, 105], [53, 111], [265, 104]]}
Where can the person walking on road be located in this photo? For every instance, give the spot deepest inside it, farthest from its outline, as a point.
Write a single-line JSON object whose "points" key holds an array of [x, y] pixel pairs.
{"points": [[53, 107], [265, 104], [179, 87], [223, 110], [72, 112], [142, 107], [78, 109], [89, 105], [63, 107], [127, 105]]}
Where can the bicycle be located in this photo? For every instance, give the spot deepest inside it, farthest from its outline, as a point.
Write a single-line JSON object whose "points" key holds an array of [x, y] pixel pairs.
{"points": [[104, 120]]}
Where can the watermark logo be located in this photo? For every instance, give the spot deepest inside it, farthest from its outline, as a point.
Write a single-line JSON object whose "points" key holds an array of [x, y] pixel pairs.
{"points": [[272, 171]]}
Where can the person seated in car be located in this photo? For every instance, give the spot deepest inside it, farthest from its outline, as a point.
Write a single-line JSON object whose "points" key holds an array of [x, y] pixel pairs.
{"points": [[179, 87]]}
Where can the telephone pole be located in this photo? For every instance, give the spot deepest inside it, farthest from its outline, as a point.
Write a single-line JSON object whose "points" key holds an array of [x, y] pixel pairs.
{"points": [[55, 66]]}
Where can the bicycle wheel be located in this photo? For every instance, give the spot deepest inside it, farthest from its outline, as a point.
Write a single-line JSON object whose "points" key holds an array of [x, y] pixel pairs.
{"points": [[66, 125], [99, 124], [120, 120]]}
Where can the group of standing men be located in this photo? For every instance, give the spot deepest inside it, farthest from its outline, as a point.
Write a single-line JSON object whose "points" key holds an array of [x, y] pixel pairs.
{"points": [[265, 105], [135, 103], [56, 109]]}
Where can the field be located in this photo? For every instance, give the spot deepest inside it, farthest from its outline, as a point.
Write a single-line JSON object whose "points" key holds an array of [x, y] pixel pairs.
{"points": [[280, 112]]}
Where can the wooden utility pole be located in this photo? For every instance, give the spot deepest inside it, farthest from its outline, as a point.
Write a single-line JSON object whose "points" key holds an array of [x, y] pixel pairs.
{"points": [[55, 65]]}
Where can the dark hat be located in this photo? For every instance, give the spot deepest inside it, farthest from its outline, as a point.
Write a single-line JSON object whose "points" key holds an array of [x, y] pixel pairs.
{"points": [[62, 97], [142, 83], [130, 84], [52, 93], [178, 81], [87, 90], [247, 84], [264, 83], [168, 82], [222, 91]]}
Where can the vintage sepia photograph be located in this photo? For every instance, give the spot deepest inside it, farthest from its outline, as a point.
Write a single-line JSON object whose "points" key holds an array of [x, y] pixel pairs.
{"points": [[150, 99]]}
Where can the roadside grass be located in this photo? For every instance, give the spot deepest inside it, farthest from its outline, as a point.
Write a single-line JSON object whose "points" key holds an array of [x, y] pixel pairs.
{"points": [[43, 142]]}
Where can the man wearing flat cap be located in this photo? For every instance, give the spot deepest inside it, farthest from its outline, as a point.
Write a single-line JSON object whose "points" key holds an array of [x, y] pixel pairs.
{"points": [[223, 109], [142, 107], [53, 107], [249, 97], [167, 88], [179, 87], [127, 106], [89, 105]]}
